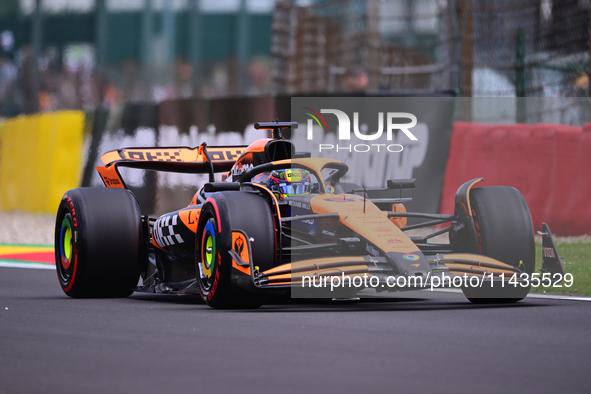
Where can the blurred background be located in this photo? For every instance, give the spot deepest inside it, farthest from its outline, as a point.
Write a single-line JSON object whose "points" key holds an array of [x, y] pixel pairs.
{"points": [[79, 54], [81, 77]]}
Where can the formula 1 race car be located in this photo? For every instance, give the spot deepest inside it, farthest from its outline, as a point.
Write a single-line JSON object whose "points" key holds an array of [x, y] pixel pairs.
{"points": [[282, 221]]}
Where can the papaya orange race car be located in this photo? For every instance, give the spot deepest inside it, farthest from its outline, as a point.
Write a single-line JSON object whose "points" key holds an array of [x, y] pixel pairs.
{"points": [[282, 221]]}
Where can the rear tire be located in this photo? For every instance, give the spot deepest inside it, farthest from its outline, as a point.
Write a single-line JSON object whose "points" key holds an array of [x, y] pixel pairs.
{"points": [[98, 242], [505, 232], [222, 213]]}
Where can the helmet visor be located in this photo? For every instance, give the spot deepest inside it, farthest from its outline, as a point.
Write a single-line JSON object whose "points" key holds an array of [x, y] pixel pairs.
{"points": [[293, 189]]}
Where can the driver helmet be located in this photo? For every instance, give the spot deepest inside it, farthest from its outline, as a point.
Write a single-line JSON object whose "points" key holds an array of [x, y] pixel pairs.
{"points": [[289, 182]]}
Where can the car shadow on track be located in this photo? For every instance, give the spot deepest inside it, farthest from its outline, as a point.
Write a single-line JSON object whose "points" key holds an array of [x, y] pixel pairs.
{"points": [[288, 305], [185, 299], [384, 305]]}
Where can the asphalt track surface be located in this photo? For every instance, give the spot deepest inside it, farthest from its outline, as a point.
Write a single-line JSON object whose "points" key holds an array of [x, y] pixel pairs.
{"points": [[50, 343]]}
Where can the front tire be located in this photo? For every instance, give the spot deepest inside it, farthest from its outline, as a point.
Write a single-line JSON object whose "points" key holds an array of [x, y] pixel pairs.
{"points": [[222, 213], [98, 242], [504, 232]]}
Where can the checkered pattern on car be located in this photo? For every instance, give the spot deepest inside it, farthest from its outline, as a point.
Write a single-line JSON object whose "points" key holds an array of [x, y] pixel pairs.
{"points": [[164, 231]]}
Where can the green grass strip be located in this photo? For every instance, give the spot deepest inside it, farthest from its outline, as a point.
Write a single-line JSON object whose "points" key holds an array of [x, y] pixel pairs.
{"points": [[576, 259]]}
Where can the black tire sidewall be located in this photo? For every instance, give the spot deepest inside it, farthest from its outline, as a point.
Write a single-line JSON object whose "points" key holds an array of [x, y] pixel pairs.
{"points": [[108, 242], [504, 232], [247, 212]]}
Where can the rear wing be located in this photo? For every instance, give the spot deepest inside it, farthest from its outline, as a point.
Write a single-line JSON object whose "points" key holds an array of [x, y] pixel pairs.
{"points": [[199, 160]]}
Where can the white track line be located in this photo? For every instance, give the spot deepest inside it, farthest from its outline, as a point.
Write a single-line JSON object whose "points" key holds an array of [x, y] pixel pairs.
{"points": [[530, 295], [558, 297], [37, 266]]}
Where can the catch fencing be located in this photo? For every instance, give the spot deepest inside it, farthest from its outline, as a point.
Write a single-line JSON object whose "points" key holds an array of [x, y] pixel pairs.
{"points": [[493, 48]]}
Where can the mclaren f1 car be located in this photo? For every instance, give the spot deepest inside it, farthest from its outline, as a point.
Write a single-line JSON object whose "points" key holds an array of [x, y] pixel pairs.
{"points": [[281, 221]]}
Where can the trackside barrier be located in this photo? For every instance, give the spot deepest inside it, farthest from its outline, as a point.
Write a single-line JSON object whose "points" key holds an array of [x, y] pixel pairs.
{"points": [[40, 158], [549, 164], [42, 155], [230, 121]]}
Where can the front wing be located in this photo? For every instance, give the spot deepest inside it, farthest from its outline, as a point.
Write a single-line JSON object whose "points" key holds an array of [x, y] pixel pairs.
{"points": [[320, 272], [381, 274]]}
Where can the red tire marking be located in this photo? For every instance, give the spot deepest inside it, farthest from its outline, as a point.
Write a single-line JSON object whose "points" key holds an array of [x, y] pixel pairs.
{"points": [[217, 213], [74, 249]]}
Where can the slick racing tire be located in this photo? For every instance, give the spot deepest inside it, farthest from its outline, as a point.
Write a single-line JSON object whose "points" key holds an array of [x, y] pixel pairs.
{"points": [[504, 232], [222, 213], [98, 242]]}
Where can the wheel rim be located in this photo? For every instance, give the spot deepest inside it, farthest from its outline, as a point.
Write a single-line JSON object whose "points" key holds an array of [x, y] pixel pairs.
{"points": [[208, 254], [66, 249], [66, 243]]}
